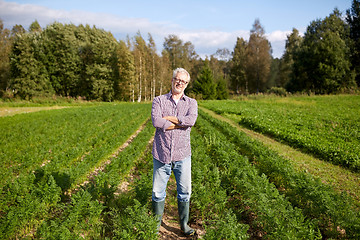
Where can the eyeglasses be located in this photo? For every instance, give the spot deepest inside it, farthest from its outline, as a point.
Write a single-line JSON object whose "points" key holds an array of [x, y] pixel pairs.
{"points": [[180, 81]]}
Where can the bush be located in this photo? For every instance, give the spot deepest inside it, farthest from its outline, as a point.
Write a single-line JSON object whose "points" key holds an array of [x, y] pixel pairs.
{"points": [[277, 91]]}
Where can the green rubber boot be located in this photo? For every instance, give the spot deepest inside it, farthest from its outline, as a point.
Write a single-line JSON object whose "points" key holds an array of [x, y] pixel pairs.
{"points": [[158, 208], [183, 208]]}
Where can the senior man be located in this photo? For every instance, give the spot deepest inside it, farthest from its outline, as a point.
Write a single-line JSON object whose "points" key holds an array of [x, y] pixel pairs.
{"points": [[173, 115]]}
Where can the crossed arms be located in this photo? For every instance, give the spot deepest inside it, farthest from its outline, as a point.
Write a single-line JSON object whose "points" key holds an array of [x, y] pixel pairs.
{"points": [[170, 122], [175, 122]]}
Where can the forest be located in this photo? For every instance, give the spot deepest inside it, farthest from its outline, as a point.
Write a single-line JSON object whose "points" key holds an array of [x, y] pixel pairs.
{"points": [[85, 62]]}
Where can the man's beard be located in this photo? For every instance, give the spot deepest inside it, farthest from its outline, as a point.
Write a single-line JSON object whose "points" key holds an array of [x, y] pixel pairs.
{"points": [[175, 90]]}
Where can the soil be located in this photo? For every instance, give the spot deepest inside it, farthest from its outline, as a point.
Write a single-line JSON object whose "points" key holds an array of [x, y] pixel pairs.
{"points": [[170, 228]]}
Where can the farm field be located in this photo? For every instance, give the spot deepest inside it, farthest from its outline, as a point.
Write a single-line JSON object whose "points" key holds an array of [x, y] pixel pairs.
{"points": [[326, 126], [85, 172], [340, 178]]}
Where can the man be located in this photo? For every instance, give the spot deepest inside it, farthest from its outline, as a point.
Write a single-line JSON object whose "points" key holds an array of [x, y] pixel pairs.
{"points": [[173, 115]]}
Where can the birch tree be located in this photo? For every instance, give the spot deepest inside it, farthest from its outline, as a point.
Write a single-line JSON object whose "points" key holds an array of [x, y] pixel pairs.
{"points": [[140, 50], [154, 69]]}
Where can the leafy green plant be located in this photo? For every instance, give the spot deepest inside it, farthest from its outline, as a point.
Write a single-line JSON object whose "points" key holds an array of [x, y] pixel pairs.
{"points": [[330, 210], [326, 126], [134, 223], [227, 227], [50, 152], [250, 193], [80, 219]]}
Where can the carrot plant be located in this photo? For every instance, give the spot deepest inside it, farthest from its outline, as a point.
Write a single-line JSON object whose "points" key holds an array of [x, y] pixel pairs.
{"points": [[335, 213], [46, 153], [326, 126], [248, 194], [109, 214]]}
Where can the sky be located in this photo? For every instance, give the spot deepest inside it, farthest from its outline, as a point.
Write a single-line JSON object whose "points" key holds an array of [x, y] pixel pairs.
{"points": [[208, 24]]}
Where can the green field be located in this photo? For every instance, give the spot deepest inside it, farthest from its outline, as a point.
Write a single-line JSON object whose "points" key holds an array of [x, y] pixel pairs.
{"points": [[326, 126], [64, 170]]}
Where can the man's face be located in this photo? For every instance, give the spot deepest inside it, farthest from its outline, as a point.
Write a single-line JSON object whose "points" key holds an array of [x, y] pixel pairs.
{"points": [[179, 83]]}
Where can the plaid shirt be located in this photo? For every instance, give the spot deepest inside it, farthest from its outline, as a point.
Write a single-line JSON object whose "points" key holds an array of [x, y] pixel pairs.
{"points": [[172, 145]]}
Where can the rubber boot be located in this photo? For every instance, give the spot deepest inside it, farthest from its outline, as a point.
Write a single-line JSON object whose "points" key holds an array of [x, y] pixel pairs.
{"points": [[183, 208], [158, 208]]}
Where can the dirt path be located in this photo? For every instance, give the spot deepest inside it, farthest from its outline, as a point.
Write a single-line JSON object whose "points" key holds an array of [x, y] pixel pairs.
{"points": [[10, 111], [101, 168], [341, 179], [170, 228]]}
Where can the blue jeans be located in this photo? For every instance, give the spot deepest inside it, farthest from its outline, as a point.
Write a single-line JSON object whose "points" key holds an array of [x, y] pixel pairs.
{"points": [[161, 175]]}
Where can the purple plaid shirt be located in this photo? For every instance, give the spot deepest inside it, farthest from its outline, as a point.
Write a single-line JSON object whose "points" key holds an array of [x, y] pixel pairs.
{"points": [[172, 145]]}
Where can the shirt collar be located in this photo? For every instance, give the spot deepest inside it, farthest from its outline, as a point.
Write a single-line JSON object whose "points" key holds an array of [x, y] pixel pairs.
{"points": [[170, 96]]}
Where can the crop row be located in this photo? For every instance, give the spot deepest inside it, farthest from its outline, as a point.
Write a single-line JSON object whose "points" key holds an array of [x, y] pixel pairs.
{"points": [[325, 126], [58, 138], [241, 189], [232, 183], [57, 151], [335, 214], [101, 210]]}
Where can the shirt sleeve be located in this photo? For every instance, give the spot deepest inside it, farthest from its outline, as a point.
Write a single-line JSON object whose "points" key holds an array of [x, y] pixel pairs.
{"points": [[157, 117], [190, 118]]}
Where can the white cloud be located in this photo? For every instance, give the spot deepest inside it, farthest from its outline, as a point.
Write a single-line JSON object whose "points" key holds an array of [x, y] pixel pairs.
{"points": [[277, 40], [278, 35], [206, 42], [25, 14], [212, 38]]}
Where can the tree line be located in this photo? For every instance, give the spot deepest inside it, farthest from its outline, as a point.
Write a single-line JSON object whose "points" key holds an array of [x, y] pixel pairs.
{"points": [[326, 60], [87, 62]]}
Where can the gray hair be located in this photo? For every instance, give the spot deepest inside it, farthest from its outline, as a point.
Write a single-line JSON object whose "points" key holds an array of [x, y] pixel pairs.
{"points": [[181, 70]]}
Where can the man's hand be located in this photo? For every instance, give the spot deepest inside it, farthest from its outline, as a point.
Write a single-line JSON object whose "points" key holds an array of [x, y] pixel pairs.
{"points": [[173, 126], [172, 119], [175, 122]]}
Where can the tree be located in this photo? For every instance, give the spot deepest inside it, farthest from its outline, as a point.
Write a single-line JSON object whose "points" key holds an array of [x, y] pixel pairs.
{"points": [[238, 78], [222, 90], [29, 74], [103, 45], [292, 44], [223, 54], [63, 59], [35, 27], [219, 67], [96, 49], [274, 79], [17, 29], [124, 73], [180, 54], [154, 67], [353, 19], [174, 46], [5, 50], [141, 56], [204, 86], [258, 59], [165, 73], [322, 63]]}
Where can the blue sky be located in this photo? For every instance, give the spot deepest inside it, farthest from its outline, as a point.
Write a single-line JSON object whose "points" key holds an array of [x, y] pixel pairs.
{"points": [[208, 24]]}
